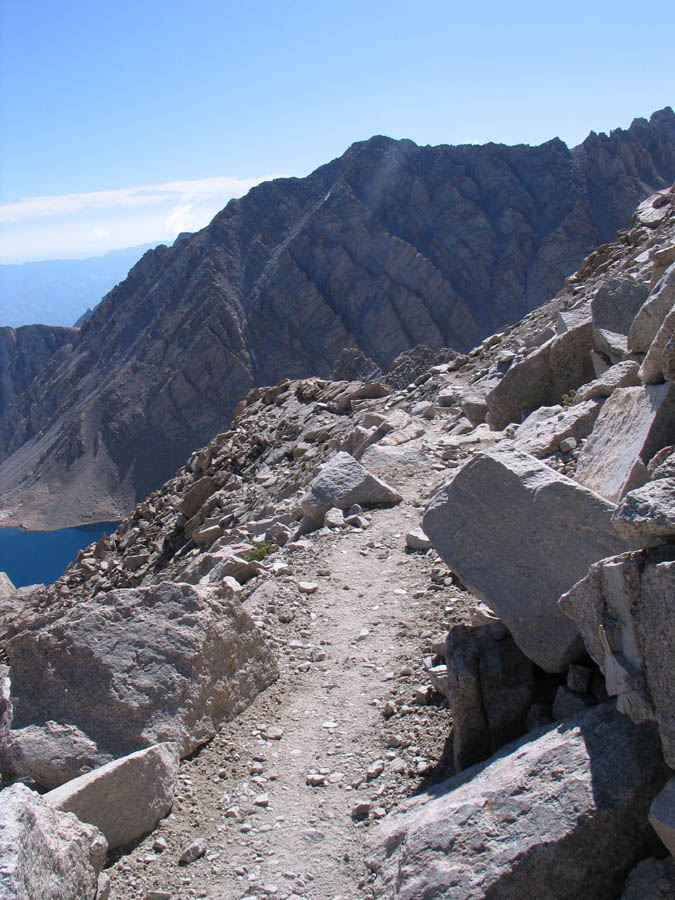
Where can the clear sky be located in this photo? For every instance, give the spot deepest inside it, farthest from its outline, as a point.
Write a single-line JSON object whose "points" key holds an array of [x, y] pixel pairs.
{"points": [[123, 122]]}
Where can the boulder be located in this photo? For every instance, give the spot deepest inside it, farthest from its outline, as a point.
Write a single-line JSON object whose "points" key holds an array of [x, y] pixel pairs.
{"points": [[648, 512], [634, 423], [196, 495], [137, 666], [662, 815], [616, 303], [6, 586], [668, 360], [51, 753], [558, 816], [490, 688], [651, 879], [544, 377], [657, 361], [341, 482], [543, 430], [611, 344], [662, 464], [125, 798], [518, 534], [623, 374], [654, 310], [623, 608], [46, 854]]}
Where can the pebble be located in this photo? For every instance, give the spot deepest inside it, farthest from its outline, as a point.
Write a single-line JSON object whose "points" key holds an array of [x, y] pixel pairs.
{"points": [[375, 769], [361, 810], [160, 845], [196, 849], [158, 895], [273, 733], [315, 780], [388, 709], [262, 800], [307, 587]]}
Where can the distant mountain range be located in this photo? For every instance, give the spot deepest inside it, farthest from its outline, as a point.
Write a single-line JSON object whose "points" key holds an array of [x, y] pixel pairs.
{"points": [[60, 291], [390, 246]]}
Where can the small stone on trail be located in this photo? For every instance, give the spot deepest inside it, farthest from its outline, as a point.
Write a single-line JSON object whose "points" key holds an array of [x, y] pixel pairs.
{"points": [[262, 800], [361, 810], [374, 769], [273, 733], [307, 587], [160, 845], [196, 849], [388, 709]]}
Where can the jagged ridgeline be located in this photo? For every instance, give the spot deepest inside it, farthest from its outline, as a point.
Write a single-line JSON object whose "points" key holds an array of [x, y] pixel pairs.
{"points": [[388, 247]]}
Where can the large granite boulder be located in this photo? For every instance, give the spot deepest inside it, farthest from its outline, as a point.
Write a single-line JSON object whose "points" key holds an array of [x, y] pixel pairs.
{"points": [[657, 361], [46, 854], [634, 423], [125, 798], [562, 816], [648, 512], [341, 482], [491, 687], [543, 430], [624, 610], [616, 303], [52, 753], [650, 316], [519, 534], [544, 377], [623, 374], [137, 666]]}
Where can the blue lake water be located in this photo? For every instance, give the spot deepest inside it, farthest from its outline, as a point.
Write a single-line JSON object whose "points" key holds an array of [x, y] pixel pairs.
{"points": [[34, 557]]}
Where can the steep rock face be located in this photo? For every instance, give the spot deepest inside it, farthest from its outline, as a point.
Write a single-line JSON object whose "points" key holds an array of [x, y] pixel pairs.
{"points": [[390, 246], [24, 352]]}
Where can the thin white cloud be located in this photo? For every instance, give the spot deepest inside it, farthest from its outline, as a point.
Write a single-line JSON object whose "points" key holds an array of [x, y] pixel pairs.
{"points": [[142, 195]]}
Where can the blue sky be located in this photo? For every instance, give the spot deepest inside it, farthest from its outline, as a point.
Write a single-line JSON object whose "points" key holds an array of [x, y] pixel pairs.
{"points": [[127, 122]]}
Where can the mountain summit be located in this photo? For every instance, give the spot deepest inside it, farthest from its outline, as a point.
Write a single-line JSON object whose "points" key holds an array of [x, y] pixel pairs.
{"points": [[390, 246]]}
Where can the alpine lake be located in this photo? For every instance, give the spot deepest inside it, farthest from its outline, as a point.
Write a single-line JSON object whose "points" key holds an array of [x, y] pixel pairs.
{"points": [[40, 557]]}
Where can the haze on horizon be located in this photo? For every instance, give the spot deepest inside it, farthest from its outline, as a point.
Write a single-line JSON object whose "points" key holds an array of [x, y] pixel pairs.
{"points": [[129, 123]]}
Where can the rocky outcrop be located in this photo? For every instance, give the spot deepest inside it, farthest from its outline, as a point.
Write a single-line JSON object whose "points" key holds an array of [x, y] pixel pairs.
{"points": [[389, 247], [503, 524], [623, 608], [522, 826], [44, 852], [138, 666]]}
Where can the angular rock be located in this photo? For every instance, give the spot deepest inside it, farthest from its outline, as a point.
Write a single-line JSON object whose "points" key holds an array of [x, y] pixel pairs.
{"points": [[416, 539], [648, 512], [623, 608], [544, 377], [656, 362], [490, 688], [137, 666], [634, 423], [6, 586], [46, 854], [616, 303], [196, 495], [649, 318], [51, 754], [613, 345], [544, 429], [651, 879], [522, 825], [125, 798], [341, 482], [518, 534], [662, 815], [662, 464], [668, 360], [623, 374], [568, 703]]}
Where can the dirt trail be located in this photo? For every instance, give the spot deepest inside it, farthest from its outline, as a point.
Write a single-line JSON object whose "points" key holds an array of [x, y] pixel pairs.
{"points": [[355, 643]]}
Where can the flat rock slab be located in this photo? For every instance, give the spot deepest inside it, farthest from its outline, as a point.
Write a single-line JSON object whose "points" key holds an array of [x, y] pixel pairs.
{"points": [[46, 854], [624, 610], [543, 430], [138, 666], [616, 303], [519, 534], [561, 817], [125, 798], [634, 423]]}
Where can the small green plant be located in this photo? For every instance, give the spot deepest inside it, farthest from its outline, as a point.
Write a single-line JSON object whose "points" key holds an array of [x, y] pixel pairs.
{"points": [[260, 551], [569, 399]]}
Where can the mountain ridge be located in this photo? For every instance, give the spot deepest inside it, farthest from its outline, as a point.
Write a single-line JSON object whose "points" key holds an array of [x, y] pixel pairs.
{"points": [[385, 248]]}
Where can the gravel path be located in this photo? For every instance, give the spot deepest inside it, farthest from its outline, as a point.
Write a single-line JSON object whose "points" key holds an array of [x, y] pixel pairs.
{"points": [[283, 796]]}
